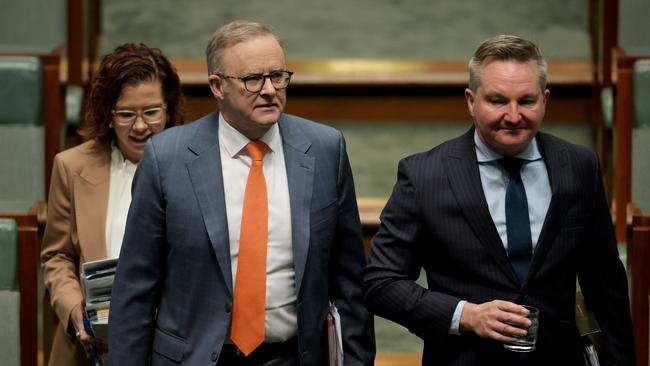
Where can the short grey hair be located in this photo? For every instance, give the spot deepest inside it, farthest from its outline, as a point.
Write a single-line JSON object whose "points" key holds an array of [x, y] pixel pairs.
{"points": [[506, 47], [230, 34]]}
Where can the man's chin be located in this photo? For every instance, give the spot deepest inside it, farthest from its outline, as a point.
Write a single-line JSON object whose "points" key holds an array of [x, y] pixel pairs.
{"points": [[266, 119]]}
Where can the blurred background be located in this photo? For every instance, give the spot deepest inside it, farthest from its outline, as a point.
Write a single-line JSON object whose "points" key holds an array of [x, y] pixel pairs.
{"points": [[390, 74]]}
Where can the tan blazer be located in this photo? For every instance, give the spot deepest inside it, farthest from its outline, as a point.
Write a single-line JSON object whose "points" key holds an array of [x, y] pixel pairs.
{"points": [[74, 234]]}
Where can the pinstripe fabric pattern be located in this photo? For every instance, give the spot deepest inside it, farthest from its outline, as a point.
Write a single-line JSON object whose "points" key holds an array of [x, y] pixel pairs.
{"points": [[437, 219]]}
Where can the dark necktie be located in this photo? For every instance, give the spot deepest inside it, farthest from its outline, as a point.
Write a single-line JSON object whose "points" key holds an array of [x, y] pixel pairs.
{"points": [[520, 245]]}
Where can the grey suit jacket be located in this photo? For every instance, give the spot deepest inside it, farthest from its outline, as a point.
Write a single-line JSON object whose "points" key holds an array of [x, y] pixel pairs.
{"points": [[437, 219], [172, 298]]}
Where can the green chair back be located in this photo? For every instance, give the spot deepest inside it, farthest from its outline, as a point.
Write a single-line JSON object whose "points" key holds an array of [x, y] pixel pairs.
{"points": [[22, 134], [641, 93], [9, 295], [641, 133]]}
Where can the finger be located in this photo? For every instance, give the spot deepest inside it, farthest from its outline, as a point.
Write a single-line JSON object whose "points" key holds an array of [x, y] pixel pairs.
{"points": [[510, 330], [501, 336], [511, 307], [517, 321]]}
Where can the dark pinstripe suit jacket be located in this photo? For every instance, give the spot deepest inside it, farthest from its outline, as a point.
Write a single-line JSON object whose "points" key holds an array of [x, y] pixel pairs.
{"points": [[437, 219]]}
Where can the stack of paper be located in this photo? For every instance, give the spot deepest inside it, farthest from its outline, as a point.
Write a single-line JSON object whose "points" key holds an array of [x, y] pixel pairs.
{"points": [[97, 278], [334, 339]]}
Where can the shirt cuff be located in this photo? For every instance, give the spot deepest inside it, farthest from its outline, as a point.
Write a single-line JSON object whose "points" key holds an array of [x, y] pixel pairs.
{"points": [[455, 320]]}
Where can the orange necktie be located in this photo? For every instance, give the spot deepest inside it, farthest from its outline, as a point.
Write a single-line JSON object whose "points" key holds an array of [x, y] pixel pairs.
{"points": [[247, 330]]}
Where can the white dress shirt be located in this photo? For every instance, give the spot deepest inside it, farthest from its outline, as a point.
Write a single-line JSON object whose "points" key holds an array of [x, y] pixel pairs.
{"points": [[281, 319], [119, 199]]}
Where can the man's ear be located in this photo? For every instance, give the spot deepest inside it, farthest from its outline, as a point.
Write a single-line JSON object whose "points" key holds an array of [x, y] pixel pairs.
{"points": [[216, 85], [547, 94], [469, 97]]}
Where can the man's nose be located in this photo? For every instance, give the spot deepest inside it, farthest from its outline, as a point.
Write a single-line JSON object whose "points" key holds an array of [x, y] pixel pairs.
{"points": [[267, 87], [512, 113]]}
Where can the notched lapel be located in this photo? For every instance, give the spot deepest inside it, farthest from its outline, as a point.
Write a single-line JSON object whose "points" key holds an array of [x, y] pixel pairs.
{"points": [[557, 165], [91, 190], [465, 182], [300, 177], [207, 181]]}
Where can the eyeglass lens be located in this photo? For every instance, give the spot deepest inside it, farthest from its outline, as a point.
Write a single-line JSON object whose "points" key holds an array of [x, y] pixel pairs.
{"points": [[150, 116], [255, 83]]}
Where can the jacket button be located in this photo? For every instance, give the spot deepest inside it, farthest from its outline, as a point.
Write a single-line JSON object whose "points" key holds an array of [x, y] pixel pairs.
{"points": [[227, 307], [214, 356]]}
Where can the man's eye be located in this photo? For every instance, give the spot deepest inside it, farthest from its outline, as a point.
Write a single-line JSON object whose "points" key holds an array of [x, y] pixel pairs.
{"points": [[496, 101], [253, 78], [526, 102]]}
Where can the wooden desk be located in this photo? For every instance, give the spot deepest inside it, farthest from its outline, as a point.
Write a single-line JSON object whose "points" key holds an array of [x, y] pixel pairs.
{"points": [[369, 211], [376, 90]]}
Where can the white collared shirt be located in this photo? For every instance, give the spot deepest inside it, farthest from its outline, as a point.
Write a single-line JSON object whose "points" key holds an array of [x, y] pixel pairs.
{"points": [[119, 199], [494, 181], [281, 319]]}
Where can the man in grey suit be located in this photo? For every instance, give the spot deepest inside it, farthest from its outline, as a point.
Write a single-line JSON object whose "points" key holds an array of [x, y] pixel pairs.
{"points": [[175, 295], [491, 238]]}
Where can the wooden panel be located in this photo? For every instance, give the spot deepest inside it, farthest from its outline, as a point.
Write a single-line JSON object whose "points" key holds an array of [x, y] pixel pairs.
{"points": [[398, 359], [623, 122], [639, 265], [377, 104], [74, 42], [53, 112], [388, 72]]}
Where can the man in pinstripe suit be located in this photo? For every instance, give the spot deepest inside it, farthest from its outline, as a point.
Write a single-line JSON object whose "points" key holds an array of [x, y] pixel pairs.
{"points": [[447, 214]]}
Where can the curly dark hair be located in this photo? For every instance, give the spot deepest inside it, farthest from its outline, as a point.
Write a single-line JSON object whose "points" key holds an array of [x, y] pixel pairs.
{"points": [[127, 65]]}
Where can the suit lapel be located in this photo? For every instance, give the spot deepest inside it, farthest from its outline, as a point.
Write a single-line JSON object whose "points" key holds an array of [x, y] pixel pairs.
{"points": [[300, 177], [207, 181], [557, 165], [465, 182], [91, 203]]}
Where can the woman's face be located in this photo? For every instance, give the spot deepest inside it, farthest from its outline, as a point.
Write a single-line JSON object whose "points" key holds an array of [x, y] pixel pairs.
{"points": [[138, 114]]}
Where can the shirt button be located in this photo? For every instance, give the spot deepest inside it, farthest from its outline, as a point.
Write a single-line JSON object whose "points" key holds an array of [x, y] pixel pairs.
{"points": [[214, 356]]}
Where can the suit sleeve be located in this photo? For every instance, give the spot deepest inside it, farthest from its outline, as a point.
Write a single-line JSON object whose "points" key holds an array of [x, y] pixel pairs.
{"points": [[59, 256], [603, 281], [390, 290], [136, 289], [345, 271]]}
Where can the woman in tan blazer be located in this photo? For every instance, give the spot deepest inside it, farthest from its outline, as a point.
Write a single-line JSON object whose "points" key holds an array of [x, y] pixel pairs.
{"points": [[135, 93]]}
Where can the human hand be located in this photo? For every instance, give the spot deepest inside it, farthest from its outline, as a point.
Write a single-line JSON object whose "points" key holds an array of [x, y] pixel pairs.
{"points": [[499, 320], [86, 340]]}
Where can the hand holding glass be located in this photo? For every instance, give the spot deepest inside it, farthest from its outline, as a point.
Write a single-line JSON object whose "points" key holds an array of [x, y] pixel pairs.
{"points": [[526, 343]]}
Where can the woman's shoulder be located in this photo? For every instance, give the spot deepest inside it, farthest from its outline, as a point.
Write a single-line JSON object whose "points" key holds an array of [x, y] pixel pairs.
{"points": [[88, 153]]}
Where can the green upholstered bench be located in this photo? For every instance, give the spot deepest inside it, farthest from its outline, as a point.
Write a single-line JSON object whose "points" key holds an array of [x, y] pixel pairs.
{"points": [[9, 294], [22, 134], [641, 133], [19, 271]]}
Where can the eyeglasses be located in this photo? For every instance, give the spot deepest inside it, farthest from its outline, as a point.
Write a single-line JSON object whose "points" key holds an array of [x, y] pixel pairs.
{"points": [[255, 82], [151, 116]]}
